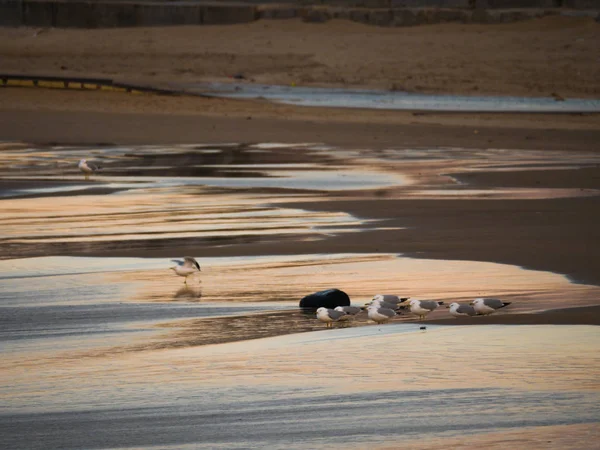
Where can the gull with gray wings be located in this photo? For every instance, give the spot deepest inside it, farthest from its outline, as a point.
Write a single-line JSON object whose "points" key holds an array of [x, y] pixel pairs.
{"points": [[485, 306], [189, 266]]}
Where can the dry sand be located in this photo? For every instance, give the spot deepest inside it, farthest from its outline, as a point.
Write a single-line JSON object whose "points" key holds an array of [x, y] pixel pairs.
{"points": [[539, 57]]}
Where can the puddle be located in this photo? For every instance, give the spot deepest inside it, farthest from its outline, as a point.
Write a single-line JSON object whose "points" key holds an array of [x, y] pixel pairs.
{"points": [[374, 99]]}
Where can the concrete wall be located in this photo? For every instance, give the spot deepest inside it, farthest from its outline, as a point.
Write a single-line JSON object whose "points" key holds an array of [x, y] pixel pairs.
{"points": [[129, 13], [498, 4], [11, 13], [96, 14]]}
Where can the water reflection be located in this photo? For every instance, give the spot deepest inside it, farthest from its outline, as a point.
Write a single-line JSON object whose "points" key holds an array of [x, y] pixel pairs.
{"points": [[189, 293]]}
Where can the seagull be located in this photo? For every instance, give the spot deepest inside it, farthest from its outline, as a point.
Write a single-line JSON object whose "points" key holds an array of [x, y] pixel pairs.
{"points": [[382, 304], [329, 316], [349, 310], [423, 307], [485, 306], [87, 168], [458, 310], [379, 314], [187, 267], [388, 298]]}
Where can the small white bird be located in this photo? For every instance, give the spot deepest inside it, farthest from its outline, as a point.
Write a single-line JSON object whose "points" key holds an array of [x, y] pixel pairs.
{"points": [[87, 168], [187, 267], [458, 310], [423, 307], [487, 306], [329, 316], [380, 315]]}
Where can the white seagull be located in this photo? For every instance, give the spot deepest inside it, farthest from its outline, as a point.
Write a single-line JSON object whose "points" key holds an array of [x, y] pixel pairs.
{"points": [[383, 304], [458, 310], [187, 267], [423, 307], [87, 168], [380, 315], [487, 306], [349, 310], [388, 298], [329, 316]]}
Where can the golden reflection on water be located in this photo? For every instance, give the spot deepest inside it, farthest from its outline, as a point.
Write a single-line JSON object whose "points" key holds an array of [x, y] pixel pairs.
{"points": [[160, 214], [283, 281], [287, 279], [524, 357], [556, 437], [527, 358]]}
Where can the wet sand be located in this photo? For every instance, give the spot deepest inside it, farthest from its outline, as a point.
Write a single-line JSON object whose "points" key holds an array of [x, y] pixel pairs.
{"points": [[370, 386]]}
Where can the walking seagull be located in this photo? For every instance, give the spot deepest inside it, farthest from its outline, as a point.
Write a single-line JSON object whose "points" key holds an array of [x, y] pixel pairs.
{"points": [[458, 310], [187, 267], [329, 316], [423, 307], [87, 168], [487, 306]]}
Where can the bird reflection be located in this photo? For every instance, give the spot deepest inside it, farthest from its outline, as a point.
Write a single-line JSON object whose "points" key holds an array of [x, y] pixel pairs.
{"points": [[188, 293]]}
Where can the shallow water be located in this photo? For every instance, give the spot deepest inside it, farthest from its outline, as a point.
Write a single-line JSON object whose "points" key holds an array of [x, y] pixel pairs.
{"points": [[357, 387], [150, 194], [106, 352], [374, 99]]}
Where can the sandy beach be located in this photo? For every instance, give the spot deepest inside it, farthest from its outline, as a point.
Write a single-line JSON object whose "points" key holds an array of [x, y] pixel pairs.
{"points": [[277, 201], [531, 58]]}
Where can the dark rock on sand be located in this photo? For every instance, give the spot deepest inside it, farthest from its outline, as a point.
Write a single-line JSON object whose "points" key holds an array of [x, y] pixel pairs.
{"points": [[326, 299]]}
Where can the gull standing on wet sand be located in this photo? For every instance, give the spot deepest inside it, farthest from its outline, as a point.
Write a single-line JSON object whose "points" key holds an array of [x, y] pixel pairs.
{"points": [[485, 306], [329, 316], [423, 307], [380, 315], [187, 267], [87, 168], [458, 310], [389, 298], [350, 312], [383, 304]]}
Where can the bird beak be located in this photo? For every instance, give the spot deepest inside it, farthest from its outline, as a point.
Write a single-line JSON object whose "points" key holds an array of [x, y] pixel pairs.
{"points": [[471, 303], [171, 268], [448, 307]]}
